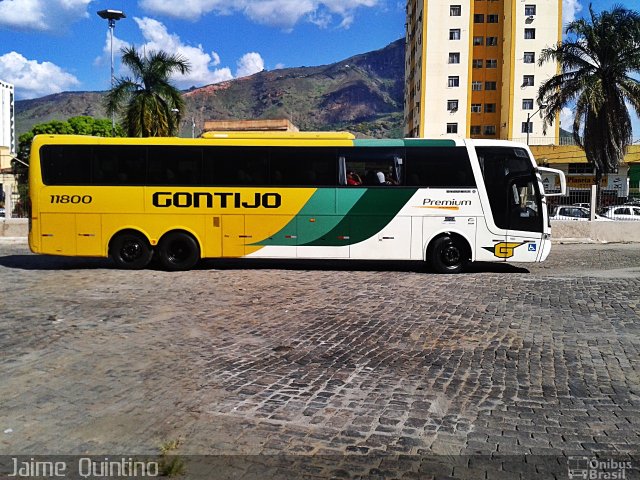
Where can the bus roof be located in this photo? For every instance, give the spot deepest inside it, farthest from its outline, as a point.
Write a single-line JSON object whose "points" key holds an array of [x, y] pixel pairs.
{"points": [[280, 135], [244, 138]]}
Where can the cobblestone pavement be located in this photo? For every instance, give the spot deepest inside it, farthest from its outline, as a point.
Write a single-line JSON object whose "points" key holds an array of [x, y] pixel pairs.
{"points": [[380, 368]]}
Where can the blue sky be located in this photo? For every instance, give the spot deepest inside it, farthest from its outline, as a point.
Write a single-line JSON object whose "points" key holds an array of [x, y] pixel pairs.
{"points": [[48, 46]]}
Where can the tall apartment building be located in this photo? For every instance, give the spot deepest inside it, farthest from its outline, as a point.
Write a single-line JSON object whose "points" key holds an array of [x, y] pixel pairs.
{"points": [[7, 125], [7, 137], [471, 68]]}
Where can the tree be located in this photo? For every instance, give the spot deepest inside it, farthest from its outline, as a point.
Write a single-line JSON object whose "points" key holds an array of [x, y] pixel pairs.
{"points": [[151, 106], [596, 63]]}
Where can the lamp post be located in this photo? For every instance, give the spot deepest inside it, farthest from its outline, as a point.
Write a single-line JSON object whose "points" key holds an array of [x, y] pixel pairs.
{"points": [[529, 115], [112, 16], [193, 122]]}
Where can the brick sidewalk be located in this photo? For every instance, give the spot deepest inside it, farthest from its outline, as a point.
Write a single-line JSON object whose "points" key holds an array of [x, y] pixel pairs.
{"points": [[248, 359]]}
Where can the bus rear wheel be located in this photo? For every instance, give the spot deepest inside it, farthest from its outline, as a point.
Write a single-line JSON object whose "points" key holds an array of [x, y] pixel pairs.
{"points": [[130, 250], [178, 251], [448, 254]]}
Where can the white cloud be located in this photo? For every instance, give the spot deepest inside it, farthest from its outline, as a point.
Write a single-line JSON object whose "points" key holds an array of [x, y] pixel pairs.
{"points": [[118, 45], [42, 15], [249, 64], [283, 14], [205, 67], [33, 79], [158, 38], [569, 10]]}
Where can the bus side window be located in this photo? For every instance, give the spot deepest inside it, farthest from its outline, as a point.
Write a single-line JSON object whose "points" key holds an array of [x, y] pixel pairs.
{"points": [[66, 164], [374, 167], [439, 167], [236, 166], [119, 165], [303, 166]]}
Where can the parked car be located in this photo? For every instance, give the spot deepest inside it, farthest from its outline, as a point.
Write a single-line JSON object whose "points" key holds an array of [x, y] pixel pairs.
{"points": [[572, 212], [583, 205], [623, 212]]}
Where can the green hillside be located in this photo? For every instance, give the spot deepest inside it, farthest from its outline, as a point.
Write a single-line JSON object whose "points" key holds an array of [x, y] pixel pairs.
{"points": [[362, 94]]}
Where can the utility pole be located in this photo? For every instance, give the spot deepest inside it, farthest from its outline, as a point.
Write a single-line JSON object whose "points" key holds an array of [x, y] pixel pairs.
{"points": [[112, 16]]}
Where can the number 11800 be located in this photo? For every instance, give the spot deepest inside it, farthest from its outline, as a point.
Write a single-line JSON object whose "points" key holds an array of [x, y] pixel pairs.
{"points": [[71, 199]]}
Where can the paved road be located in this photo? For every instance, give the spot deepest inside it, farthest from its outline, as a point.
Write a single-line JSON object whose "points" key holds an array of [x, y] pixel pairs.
{"points": [[354, 364]]}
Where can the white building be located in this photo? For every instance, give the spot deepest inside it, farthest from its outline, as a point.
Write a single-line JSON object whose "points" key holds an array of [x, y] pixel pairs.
{"points": [[7, 137], [471, 68]]}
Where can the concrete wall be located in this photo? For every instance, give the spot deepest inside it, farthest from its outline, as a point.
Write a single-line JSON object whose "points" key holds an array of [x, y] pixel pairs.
{"points": [[595, 231], [14, 227]]}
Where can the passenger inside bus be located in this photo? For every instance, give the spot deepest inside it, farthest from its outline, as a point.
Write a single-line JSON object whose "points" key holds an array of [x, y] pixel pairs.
{"points": [[353, 178]]}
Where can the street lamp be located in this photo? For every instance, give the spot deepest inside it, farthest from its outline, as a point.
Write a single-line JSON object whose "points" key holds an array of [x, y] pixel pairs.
{"points": [[529, 115], [112, 16], [193, 122]]}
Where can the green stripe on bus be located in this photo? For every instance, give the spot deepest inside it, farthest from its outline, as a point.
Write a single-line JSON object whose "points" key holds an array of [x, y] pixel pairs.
{"points": [[327, 207], [378, 143], [421, 142], [375, 209]]}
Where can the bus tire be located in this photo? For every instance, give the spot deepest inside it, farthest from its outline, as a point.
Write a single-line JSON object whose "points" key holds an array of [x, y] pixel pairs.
{"points": [[178, 251], [448, 254], [130, 250]]}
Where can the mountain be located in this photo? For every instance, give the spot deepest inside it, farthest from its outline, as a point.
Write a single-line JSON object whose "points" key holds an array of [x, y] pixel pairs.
{"points": [[362, 94]]}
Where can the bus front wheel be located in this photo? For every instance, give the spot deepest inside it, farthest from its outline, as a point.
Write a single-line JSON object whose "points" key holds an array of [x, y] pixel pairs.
{"points": [[178, 251], [130, 250], [448, 254]]}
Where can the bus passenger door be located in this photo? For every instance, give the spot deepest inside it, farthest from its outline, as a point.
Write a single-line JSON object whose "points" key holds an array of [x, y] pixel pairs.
{"points": [[58, 231], [233, 236], [524, 234]]}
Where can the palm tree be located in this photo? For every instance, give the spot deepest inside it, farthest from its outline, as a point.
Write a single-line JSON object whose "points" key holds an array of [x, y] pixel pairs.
{"points": [[596, 63], [152, 106]]}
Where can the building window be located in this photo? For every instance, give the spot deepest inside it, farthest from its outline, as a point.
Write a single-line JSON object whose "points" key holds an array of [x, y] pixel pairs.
{"points": [[452, 105], [455, 10], [477, 63], [529, 57], [492, 63], [490, 85], [476, 86], [478, 18], [452, 128], [489, 129], [527, 80], [492, 41], [580, 168], [527, 104], [475, 130], [527, 127], [529, 33], [454, 34], [529, 10], [478, 41], [476, 108], [454, 57], [489, 108], [492, 18], [453, 81]]}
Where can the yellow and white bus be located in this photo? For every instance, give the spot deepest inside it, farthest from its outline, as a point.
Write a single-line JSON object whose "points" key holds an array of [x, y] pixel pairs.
{"points": [[313, 195]]}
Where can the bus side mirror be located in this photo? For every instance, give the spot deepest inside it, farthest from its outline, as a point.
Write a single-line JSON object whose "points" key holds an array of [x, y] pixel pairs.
{"points": [[562, 180]]}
